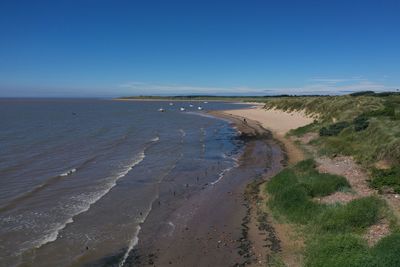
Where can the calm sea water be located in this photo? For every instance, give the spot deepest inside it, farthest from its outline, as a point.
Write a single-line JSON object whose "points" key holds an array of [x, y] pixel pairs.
{"points": [[78, 177]]}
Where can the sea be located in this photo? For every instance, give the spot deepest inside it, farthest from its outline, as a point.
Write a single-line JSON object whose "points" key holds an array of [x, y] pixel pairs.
{"points": [[78, 177]]}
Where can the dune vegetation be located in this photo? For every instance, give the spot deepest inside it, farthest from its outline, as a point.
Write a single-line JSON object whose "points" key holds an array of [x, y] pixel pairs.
{"points": [[365, 126], [333, 233]]}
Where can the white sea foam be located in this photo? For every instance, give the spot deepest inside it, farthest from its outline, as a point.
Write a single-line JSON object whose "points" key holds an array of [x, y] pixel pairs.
{"points": [[172, 228], [221, 175], [155, 139], [223, 172], [69, 172], [50, 237], [88, 200], [134, 241], [183, 133]]}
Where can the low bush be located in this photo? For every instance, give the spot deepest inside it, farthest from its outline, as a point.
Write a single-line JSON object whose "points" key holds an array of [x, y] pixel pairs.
{"points": [[360, 123], [305, 129], [333, 129], [390, 177]]}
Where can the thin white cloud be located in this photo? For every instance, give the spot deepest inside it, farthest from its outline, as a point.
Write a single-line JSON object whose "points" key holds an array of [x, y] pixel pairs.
{"points": [[150, 88], [328, 80], [314, 86]]}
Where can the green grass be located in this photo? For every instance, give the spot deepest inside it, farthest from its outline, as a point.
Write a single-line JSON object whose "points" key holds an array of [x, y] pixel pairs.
{"points": [[333, 233], [292, 190], [387, 251], [364, 126], [351, 251], [379, 141], [353, 217], [337, 251], [331, 108]]}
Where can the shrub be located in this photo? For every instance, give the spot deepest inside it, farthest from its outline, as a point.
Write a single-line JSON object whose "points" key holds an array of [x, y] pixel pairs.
{"points": [[360, 123], [390, 177], [333, 129], [305, 129]]}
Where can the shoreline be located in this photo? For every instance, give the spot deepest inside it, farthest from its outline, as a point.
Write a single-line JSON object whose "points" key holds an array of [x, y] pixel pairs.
{"points": [[220, 224], [279, 123], [210, 227], [267, 237]]}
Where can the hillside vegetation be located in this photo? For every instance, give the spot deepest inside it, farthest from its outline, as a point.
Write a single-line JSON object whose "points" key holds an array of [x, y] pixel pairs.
{"points": [[365, 126], [333, 233]]}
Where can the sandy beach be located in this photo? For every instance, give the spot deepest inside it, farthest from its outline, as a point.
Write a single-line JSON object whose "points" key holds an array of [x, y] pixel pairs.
{"points": [[279, 123]]}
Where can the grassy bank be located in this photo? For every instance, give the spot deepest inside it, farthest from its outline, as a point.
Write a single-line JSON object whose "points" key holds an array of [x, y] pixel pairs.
{"points": [[333, 233], [365, 126]]}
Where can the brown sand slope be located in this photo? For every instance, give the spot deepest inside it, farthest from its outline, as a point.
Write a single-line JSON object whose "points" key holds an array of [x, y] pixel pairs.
{"points": [[279, 122]]}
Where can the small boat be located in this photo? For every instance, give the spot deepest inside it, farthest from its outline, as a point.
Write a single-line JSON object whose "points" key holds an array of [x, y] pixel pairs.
{"points": [[205, 102], [182, 109], [199, 108], [171, 104], [191, 105], [161, 110]]}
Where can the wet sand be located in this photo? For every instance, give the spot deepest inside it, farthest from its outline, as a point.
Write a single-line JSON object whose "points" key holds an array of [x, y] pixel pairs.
{"points": [[210, 227]]}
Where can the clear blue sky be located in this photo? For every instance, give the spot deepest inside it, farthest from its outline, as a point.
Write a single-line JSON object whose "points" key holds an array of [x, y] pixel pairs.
{"points": [[257, 47]]}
